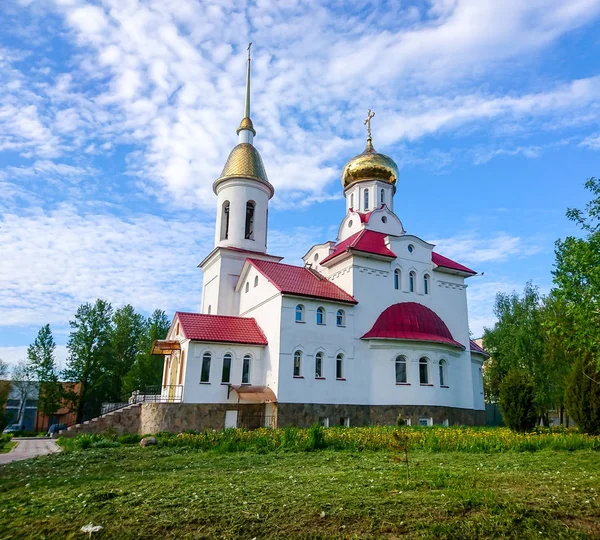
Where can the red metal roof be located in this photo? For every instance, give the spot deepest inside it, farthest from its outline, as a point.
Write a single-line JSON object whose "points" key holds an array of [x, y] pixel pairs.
{"points": [[477, 349], [220, 328], [300, 281], [364, 241], [364, 216], [445, 262], [411, 321]]}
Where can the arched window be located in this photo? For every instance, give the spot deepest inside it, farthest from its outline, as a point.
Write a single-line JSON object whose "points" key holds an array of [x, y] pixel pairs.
{"points": [[382, 197], [247, 286], [426, 283], [397, 276], [339, 366], [298, 364], [411, 280], [366, 195], [226, 373], [249, 230], [320, 315], [443, 373], [424, 371], [340, 318], [225, 221], [401, 375], [209, 308], [352, 200], [246, 369], [256, 281], [205, 371], [299, 313], [319, 366]]}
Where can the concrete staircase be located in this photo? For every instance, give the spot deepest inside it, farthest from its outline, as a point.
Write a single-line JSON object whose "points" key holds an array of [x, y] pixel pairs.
{"points": [[120, 421]]}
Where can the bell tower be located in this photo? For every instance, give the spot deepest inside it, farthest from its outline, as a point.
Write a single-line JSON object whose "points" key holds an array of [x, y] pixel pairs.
{"points": [[243, 190]]}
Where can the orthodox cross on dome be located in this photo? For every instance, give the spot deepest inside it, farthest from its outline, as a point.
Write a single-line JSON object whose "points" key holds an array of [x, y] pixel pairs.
{"points": [[367, 122]]}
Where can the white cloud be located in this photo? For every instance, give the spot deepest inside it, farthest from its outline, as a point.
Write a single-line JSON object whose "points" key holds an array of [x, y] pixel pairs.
{"points": [[54, 261], [167, 79], [592, 142], [477, 250], [13, 355]]}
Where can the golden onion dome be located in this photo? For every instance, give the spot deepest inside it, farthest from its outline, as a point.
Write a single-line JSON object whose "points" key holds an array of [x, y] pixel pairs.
{"points": [[370, 165], [244, 161]]}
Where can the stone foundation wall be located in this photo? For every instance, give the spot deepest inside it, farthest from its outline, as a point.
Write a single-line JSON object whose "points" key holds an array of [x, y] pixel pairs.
{"points": [[307, 414], [121, 421], [178, 417]]}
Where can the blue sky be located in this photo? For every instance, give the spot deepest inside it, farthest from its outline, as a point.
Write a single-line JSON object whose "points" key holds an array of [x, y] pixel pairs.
{"points": [[116, 117]]}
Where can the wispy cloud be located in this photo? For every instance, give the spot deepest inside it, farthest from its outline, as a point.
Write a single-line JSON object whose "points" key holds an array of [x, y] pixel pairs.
{"points": [[475, 249]]}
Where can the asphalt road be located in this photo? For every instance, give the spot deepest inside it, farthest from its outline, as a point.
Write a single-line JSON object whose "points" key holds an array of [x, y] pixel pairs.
{"points": [[29, 448]]}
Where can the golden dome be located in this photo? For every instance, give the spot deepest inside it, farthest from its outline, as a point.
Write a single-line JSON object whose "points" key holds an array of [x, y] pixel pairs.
{"points": [[244, 161], [370, 165]]}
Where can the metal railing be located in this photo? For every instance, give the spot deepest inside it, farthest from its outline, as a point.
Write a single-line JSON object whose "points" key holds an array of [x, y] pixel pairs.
{"points": [[255, 421]]}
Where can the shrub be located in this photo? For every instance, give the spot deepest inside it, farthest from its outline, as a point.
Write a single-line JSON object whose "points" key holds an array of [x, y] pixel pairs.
{"points": [[129, 438], [316, 439], [517, 401], [582, 397]]}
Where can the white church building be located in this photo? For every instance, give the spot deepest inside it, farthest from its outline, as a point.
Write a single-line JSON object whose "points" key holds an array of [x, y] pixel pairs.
{"points": [[373, 325]]}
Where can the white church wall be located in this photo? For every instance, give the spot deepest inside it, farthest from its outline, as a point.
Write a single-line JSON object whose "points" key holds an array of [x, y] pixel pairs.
{"points": [[263, 303], [214, 391], [477, 384], [310, 338], [384, 390]]}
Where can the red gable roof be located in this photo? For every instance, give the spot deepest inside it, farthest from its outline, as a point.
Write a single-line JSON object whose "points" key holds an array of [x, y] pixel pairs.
{"points": [[411, 321], [220, 328], [445, 262], [364, 241], [477, 349], [300, 281]]}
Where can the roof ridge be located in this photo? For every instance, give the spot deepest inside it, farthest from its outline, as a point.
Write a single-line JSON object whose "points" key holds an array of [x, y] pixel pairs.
{"points": [[214, 315]]}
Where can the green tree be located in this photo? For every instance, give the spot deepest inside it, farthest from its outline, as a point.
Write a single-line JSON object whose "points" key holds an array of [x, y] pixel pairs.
{"points": [[583, 396], [90, 356], [23, 386], [147, 368], [128, 330], [4, 389], [518, 341], [577, 275], [42, 364], [517, 400]]}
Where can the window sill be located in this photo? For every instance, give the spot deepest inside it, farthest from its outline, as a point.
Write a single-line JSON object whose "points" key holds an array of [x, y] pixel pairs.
{"points": [[298, 377], [246, 384], [340, 378], [321, 324], [402, 384], [319, 378], [426, 384], [300, 322], [225, 383], [341, 325], [204, 382], [444, 386]]}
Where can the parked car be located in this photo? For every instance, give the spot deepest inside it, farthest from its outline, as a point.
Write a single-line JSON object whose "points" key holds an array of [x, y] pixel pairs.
{"points": [[13, 428], [55, 428]]}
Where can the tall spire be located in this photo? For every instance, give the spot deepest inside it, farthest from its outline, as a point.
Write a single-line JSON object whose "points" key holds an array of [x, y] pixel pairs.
{"points": [[246, 123]]}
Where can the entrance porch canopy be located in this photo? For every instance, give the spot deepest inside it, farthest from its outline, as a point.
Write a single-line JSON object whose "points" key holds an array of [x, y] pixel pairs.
{"points": [[253, 394], [165, 346]]}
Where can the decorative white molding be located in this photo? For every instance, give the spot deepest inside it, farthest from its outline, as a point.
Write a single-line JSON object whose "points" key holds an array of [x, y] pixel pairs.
{"points": [[450, 285]]}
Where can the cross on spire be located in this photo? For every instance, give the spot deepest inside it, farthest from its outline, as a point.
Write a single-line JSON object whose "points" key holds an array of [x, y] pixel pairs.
{"points": [[367, 122]]}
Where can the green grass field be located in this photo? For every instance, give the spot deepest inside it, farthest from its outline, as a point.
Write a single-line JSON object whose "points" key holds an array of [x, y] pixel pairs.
{"points": [[166, 492]]}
